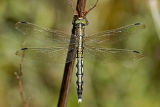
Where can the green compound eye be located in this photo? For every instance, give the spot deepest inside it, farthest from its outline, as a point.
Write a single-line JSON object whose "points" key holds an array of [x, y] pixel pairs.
{"points": [[77, 21], [84, 22]]}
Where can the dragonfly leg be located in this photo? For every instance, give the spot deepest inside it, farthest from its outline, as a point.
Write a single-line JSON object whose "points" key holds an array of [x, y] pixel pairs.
{"points": [[91, 8]]}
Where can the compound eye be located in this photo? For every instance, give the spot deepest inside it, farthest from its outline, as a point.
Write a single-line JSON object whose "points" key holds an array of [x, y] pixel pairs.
{"points": [[77, 21], [84, 22]]}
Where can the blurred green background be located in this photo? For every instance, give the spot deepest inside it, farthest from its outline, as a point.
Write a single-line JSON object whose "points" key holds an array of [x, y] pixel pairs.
{"points": [[105, 84]]}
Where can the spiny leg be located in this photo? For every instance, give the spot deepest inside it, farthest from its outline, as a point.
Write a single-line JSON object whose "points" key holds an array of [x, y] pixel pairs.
{"points": [[91, 8]]}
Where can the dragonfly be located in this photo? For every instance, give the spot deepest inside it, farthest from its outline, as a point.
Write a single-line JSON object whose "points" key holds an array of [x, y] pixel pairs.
{"points": [[80, 42]]}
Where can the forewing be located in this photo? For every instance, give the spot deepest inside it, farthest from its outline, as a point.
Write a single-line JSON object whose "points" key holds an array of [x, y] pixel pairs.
{"points": [[35, 32], [110, 36]]}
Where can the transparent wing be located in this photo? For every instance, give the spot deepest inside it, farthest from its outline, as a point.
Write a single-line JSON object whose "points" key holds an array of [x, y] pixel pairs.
{"points": [[114, 54], [57, 40], [61, 41], [110, 36], [47, 54], [34, 31]]}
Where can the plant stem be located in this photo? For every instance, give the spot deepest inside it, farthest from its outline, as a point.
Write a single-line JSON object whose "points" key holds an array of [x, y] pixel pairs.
{"points": [[80, 9]]}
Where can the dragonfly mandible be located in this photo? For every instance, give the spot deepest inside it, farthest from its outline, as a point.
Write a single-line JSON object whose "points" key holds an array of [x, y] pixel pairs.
{"points": [[82, 43]]}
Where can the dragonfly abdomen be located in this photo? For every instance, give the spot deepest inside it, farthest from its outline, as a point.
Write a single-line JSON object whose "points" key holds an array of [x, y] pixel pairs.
{"points": [[79, 57], [79, 69]]}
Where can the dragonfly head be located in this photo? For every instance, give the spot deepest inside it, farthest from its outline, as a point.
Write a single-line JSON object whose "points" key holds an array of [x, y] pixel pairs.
{"points": [[82, 21]]}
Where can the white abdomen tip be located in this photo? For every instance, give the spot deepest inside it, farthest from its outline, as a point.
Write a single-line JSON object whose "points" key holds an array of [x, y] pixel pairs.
{"points": [[79, 100]]}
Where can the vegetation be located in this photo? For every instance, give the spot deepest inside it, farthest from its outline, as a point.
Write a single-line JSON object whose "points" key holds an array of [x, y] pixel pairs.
{"points": [[106, 83]]}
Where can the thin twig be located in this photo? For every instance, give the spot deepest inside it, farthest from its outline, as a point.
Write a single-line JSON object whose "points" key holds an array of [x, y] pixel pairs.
{"points": [[21, 89], [91, 7], [19, 76]]}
